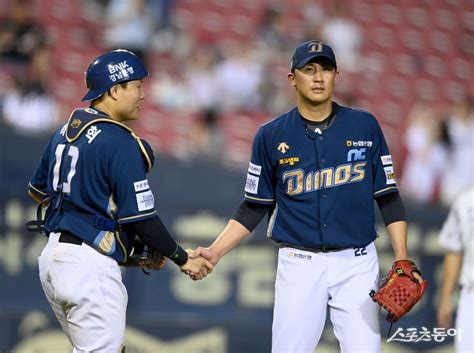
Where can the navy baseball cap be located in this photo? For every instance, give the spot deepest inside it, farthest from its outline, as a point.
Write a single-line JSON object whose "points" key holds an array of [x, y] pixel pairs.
{"points": [[307, 51]]}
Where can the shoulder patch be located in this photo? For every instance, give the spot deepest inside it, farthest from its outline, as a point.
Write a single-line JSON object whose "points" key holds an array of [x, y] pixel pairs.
{"points": [[254, 169], [386, 160], [251, 185], [145, 201], [390, 175]]}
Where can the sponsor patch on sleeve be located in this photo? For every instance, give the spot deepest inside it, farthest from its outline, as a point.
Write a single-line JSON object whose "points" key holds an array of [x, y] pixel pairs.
{"points": [[141, 185], [145, 200], [251, 186], [387, 159], [255, 169], [390, 175]]}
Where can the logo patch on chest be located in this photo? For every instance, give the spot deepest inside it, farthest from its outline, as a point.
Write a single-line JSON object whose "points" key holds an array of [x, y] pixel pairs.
{"points": [[289, 160], [283, 147], [351, 143]]}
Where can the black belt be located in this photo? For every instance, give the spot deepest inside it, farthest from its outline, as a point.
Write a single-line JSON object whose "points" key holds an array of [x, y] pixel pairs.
{"points": [[67, 237], [315, 250]]}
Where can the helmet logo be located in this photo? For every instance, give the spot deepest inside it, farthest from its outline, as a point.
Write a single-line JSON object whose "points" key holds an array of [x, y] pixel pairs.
{"points": [[120, 71]]}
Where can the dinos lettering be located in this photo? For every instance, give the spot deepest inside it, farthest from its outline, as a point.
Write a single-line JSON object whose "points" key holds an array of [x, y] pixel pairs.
{"points": [[298, 182]]}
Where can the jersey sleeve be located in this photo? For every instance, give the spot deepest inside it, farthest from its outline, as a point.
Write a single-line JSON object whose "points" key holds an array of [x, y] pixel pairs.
{"points": [[130, 188], [450, 235], [382, 164], [259, 186], [38, 184]]}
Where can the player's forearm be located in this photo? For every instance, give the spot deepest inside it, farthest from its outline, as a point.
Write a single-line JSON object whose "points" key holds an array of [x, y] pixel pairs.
{"points": [[154, 233], [451, 271], [398, 237], [233, 234]]}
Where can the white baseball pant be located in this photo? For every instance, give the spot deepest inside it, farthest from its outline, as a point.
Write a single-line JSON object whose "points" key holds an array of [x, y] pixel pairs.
{"points": [[307, 283], [86, 292]]}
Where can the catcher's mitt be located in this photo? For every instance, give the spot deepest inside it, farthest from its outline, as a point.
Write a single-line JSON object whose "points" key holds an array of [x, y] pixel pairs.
{"points": [[400, 290], [145, 257]]}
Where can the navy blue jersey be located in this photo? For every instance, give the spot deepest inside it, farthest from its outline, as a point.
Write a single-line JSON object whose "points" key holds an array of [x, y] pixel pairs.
{"points": [[94, 169], [322, 185]]}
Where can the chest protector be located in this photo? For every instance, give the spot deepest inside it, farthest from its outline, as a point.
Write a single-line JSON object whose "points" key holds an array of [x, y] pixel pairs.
{"points": [[103, 234]]}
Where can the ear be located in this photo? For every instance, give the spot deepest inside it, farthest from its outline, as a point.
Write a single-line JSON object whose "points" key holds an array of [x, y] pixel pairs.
{"points": [[113, 91], [291, 79]]}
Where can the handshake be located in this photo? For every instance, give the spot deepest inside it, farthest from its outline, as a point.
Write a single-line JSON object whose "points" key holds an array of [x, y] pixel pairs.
{"points": [[201, 262]]}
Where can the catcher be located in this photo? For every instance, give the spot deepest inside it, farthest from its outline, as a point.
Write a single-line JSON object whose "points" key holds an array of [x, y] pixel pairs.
{"points": [[93, 175]]}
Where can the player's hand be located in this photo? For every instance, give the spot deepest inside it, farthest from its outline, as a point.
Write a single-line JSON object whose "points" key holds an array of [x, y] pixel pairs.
{"points": [[207, 253], [418, 277], [197, 268], [162, 262], [445, 314]]}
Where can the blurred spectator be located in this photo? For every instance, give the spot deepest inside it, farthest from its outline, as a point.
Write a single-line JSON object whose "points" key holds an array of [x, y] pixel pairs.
{"points": [[19, 35], [272, 31], [458, 172], [313, 15], [275, 95], [175, 41], [206, 139], [344, 35], [161, 11], [129, 25], [201, 80], [169, 89], [426, 153], [311, 10], [238, 78], [28, 106]]}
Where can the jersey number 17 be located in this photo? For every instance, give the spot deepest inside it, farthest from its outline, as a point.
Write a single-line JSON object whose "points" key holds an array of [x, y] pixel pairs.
{"points": [[72, 152]]}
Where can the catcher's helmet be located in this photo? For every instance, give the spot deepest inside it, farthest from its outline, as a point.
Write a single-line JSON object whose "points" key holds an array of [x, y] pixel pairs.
{"points": [[107, 70]]}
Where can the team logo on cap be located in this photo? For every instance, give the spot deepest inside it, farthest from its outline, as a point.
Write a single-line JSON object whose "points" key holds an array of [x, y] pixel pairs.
{"points": [[315, 47], [283, 147]]}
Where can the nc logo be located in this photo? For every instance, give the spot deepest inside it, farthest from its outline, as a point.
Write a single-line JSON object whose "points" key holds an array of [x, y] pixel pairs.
{"points": [[356, 154]]}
